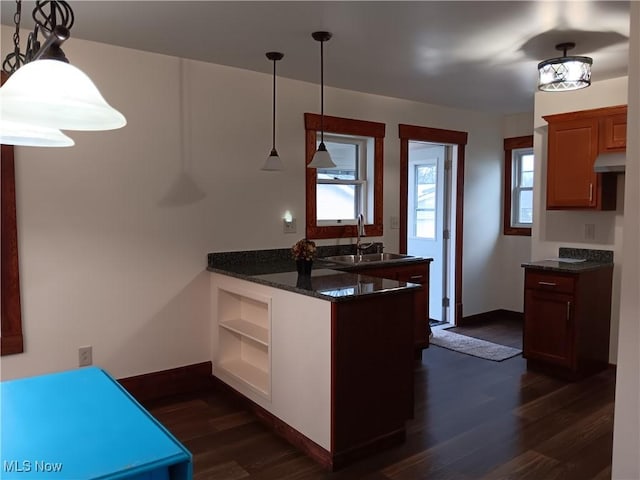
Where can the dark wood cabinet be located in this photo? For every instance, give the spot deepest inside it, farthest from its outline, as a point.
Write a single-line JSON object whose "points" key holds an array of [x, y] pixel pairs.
{"points": [[414, 272], [573, 142], [567, 320]]}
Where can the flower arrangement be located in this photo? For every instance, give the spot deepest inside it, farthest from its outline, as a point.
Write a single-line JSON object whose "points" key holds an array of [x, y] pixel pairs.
{"points": [[304, 250]]}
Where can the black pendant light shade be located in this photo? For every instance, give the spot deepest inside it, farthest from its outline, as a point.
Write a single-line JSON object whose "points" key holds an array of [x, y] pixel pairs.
{"points": [[273, 161], [564, 73], [321, 159]]}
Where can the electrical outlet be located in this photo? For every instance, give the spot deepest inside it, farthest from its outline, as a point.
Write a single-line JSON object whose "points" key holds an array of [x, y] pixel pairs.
{"points": [[395, 223], [85, 356], [289, 225], [589, 231]]}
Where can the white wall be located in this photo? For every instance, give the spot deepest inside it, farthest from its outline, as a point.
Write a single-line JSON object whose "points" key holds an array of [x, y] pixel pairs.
{"points": [[626, 437], [113, 239], [516, 248], [561, 228]]}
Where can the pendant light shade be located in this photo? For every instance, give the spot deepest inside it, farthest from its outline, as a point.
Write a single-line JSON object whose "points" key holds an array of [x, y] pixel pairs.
{"points": [[321, 159], [12, 133], [564, 73], [273, 162], [55, 94]]}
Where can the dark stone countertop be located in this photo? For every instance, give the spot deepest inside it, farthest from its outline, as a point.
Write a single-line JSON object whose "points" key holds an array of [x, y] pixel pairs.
{"points": [[328, 281], [593, 260]]}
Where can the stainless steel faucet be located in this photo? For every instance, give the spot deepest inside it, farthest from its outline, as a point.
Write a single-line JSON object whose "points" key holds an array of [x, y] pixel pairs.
{"points": [[361, 233]]}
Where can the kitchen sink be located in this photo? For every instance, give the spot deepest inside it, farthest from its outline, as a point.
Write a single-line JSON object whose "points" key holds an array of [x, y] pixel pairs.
{"points": [[368, 258]]}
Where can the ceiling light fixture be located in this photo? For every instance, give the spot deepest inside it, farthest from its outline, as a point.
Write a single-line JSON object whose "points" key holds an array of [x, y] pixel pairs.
{"points": [[273, 161], [321, 159], [43, 90], [564, 73]]}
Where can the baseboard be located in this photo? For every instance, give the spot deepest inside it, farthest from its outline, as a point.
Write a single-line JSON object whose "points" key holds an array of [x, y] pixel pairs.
{"points": [[486, 316], [167, 383], [288, 433]]}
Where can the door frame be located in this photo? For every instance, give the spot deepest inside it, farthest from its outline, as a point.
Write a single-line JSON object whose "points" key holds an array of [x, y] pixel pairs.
{"points": [[440, 136]]}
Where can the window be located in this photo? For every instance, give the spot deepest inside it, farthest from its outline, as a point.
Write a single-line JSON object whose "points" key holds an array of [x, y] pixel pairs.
{"points": [[335, 196], [341, 192], [518, 185], [424, 203]]}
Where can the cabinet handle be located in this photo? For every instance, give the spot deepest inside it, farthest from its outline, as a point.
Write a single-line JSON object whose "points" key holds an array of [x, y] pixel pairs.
{"points": [[547, 284], [568, 311], [415, 277], [591, 192]]}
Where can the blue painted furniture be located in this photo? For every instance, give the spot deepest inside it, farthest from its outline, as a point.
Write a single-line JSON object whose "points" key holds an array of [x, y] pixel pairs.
{"points": [[81, 424]]}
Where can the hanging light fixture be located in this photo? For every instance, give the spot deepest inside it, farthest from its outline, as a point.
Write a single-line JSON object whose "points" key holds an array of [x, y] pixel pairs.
{"points": [[43, 90], [273, 161], [564, 73], [321, 159]]}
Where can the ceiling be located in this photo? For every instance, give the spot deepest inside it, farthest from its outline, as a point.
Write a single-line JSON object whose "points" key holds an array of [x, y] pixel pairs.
{"points": [[473, 55]]}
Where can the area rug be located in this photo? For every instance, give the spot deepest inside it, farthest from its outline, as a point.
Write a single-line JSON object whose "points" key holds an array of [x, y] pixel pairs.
{"points": [[472, 346]]}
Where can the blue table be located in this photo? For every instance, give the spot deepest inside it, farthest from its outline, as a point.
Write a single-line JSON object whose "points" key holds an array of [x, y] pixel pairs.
{"points": [[81, 424]]}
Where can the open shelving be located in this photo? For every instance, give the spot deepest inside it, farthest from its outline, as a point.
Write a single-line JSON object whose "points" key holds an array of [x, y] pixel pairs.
{"points": [[244, 337]]}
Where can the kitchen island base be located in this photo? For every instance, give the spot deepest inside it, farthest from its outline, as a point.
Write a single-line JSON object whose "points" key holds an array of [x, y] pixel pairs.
{"points": [[337, 375]]}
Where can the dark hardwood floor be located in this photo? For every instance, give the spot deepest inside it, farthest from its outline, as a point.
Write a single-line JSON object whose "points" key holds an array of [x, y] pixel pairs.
{"points": [[501, 328], [474, 419]]}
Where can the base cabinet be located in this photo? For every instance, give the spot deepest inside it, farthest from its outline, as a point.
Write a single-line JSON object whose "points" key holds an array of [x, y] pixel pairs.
{"points": [[567, 321], [414, 272]]}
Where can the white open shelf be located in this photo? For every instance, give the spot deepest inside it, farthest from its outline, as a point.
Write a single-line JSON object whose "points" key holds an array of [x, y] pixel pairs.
{"points": [[247, 329], [248, 373], [244, 337]]}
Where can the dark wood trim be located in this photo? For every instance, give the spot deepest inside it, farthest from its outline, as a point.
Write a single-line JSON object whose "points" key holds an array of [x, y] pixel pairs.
{"points": [[350, 127], [594, 112], [282, 429], [154, 386], [449, 137], [12, 340], [486, 316], [511, 144]]}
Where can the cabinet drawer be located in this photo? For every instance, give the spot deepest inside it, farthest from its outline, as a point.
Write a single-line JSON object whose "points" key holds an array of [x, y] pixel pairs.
{"points": [[551, 282], [413, 274]]}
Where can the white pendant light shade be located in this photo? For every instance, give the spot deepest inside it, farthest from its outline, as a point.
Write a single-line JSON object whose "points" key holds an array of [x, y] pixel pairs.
{"points": [[321, 159], [55, 94], [273, 163], [12, 133]]}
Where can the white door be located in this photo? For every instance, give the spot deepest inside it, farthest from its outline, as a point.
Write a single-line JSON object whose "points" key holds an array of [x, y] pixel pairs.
{"points": [[427, 220]]}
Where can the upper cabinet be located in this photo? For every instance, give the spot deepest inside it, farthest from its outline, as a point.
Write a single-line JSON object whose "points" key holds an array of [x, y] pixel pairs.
{"points": [[574, 141]]}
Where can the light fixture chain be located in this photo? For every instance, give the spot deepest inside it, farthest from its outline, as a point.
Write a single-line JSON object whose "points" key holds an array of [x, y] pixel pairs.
{"points": [[274, 106], [322, 91], [16, 19]]}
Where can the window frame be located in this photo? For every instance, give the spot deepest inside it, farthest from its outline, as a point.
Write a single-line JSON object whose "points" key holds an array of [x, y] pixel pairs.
{"points": [[511, 144], [344, 126]]}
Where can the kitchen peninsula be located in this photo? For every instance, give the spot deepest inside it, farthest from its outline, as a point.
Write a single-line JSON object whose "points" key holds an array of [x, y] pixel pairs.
{"points": [[326, 359]]}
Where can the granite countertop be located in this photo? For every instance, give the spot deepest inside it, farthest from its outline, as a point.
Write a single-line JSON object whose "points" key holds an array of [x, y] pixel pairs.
{"points": [[275, 269], [589, 260]]}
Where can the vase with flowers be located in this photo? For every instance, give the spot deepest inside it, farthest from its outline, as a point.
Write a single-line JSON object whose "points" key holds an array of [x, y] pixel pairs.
{"points": [[304, 251]]}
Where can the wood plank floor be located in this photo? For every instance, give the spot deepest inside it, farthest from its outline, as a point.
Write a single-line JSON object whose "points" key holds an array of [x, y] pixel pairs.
{"points": [[500, 328], [474, 419]]}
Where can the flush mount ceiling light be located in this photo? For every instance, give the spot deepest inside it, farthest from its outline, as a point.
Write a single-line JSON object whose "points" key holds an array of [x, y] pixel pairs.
{"points": [[273, 162], [321, 159], [564, 73], [43, 90]]}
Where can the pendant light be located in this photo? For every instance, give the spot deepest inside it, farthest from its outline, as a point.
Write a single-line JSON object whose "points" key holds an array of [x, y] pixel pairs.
{"points": [[321, 159], [564, 73], [44, 93], [273, 161]]}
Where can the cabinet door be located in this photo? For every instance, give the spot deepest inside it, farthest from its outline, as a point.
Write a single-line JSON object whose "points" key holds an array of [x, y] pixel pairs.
{"points": [[613, 133], [548, 327], [572, 149]]}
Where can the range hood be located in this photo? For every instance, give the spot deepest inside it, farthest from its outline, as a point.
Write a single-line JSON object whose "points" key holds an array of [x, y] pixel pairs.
{"points": [[610, 162]]}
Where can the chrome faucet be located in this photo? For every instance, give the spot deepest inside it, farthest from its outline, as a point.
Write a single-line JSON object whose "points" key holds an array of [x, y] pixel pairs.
{"points": [[361, 233]]}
